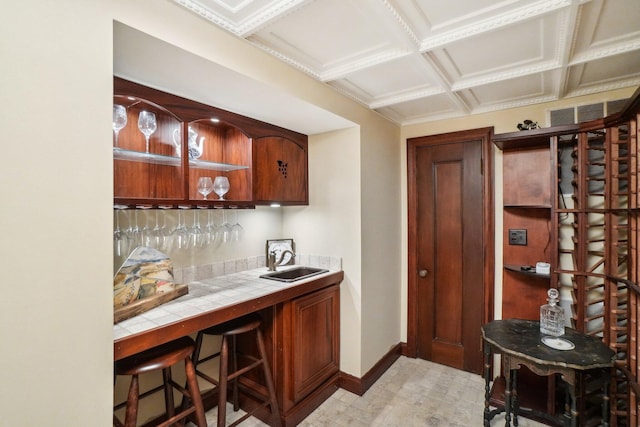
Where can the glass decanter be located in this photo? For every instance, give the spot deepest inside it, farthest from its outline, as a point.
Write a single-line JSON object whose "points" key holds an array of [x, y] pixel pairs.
{"points": [[552, 315]]}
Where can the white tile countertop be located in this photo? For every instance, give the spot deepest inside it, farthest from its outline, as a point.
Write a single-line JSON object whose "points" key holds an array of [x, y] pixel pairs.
{"points": [[225, 296]]}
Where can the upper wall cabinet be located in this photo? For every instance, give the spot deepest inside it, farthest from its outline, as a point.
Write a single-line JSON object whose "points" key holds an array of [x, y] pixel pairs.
{"points": [[280, 171], [166, 146]]}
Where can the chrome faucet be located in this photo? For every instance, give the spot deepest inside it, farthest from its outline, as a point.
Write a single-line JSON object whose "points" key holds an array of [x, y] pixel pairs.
{"points": [[271, 261]]}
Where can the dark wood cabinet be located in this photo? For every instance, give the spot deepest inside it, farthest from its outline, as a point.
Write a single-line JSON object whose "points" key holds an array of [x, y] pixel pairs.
{"points": [[303, 341], [165, 172], [280, 171], [309, 336]]}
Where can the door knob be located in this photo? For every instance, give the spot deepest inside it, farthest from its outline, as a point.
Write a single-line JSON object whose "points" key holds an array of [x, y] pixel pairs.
{"points": [[423, 273]]}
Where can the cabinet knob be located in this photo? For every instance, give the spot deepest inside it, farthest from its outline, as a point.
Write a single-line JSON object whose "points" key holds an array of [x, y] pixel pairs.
{"points": [[423, 273]]}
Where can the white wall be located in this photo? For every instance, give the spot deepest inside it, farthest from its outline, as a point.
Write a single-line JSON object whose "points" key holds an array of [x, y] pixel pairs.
{"points": [[56, 192]]}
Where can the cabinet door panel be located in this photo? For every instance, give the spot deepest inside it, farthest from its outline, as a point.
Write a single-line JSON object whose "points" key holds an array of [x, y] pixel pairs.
{"points": [[315, 340], [280, 171]]}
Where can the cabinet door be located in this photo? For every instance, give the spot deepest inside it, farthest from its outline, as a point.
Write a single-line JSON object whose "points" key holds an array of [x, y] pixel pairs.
{"points": [[226, 151], [280, 171], [315, 345], [144, 171]]}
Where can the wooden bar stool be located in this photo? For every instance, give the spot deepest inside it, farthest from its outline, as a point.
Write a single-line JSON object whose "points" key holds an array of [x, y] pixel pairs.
{"points": [[161, 357], [228, 353]]}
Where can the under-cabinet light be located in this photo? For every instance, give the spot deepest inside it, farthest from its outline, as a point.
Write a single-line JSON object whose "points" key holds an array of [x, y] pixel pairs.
{"points": [[275, 205]]}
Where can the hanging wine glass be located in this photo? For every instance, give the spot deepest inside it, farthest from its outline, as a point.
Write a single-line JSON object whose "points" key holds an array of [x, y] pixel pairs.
{"points": [[158, 237], [221, 186], [205, 186], [120, 239], [224, 231], [236, 231], [134, 232], [119, 119], [166, 232], [211, 231], [195, 232], [181, 239], [147, 125]]}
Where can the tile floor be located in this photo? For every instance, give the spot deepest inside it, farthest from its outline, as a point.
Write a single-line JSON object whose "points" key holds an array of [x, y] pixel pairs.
{"points": [[411, 393]]}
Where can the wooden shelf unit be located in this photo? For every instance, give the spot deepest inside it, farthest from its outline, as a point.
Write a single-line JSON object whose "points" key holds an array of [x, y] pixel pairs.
{"points": [[575, 190]]}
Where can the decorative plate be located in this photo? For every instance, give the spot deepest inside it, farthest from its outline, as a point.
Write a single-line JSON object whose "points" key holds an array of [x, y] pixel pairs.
{"points": [[558, 343]]}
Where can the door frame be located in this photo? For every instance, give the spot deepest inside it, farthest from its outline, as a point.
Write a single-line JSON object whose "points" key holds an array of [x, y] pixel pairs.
{"points": [[488, 227]]}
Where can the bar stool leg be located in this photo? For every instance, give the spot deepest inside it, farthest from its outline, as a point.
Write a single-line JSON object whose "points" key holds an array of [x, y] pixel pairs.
{"points": [[273, 401], [234, 368], [168, 393], [222, 382], [194, 390], [131, 414]]}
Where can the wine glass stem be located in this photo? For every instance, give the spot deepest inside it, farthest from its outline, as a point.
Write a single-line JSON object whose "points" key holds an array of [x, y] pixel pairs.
{"points": [[147, 146], [116, 132]]}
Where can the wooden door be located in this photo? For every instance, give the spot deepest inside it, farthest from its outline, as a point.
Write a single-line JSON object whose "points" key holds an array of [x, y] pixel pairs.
{"points": [[451, 247]]}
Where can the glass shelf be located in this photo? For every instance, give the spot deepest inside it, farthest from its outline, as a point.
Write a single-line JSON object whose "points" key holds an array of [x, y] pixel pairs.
{"points": [[160, 159]]}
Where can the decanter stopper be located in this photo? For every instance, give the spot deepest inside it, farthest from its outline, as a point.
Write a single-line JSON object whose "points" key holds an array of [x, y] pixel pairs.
{"points": [[552, 315]]}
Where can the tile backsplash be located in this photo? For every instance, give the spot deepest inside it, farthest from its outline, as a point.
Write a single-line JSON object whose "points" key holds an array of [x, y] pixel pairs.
{"points": [[206, 271]]}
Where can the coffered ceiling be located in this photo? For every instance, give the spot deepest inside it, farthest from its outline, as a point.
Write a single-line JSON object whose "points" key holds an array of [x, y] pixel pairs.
{"points": [[422, 60]]}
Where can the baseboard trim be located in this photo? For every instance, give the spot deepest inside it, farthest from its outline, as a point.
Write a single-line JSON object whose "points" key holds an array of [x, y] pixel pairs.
{"points": [[360, 385]]}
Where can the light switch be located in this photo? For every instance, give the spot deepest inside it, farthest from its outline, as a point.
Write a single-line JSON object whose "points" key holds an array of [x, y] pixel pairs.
{"points": [[518, 237]]}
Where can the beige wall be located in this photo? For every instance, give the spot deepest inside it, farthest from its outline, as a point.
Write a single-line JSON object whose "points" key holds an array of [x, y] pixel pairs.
{"points": [[56, 192], [502, 121], [324, 228]]}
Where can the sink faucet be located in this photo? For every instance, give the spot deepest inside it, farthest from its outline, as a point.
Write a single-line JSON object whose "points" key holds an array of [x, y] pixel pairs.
{"points": [[272, 263]]}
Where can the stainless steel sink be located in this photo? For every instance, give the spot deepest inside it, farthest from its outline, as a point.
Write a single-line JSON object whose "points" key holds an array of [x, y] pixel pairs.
{"points": [[293, 274]]}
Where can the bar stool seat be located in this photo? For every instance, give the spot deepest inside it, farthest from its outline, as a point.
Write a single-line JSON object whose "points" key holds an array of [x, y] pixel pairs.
{"points": [[229, 353], [161, 357]]}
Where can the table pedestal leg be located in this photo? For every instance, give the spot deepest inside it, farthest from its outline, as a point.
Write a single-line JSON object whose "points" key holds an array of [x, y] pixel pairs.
{"points": [[515, 405], [487, 389], [508, 376], [570, 410]]}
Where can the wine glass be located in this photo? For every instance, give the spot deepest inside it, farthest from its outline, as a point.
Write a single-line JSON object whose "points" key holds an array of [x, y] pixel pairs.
{"points": [[205, 186], [236, 231], [181, 234], [119, 119], [159, 235], [221, 186], [196, 235], [211, 231], [134, 232], [147, 125], [120, 239], [224, 231]]}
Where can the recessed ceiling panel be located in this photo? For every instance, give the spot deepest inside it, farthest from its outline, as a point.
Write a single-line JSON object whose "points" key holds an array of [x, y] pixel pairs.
{"points": [[439, 15], [510, 91], [498, 51], [331, 33], [604, 23], [605, 71], [402, 76], [433, 106]]}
